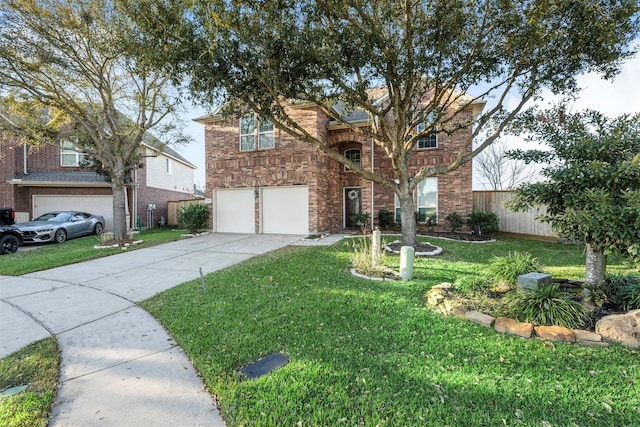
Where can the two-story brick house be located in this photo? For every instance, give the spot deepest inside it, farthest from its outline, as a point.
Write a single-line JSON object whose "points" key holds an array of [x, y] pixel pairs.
{"points": [[262, 180], [34, 180]]}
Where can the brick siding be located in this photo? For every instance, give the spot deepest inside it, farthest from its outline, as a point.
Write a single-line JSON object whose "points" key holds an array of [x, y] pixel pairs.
{"points": [[292, 162], [46, 158]]}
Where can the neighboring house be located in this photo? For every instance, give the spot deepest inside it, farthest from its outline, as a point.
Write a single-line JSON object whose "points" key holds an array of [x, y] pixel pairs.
{"points": [[262, 180], [34, 180]]}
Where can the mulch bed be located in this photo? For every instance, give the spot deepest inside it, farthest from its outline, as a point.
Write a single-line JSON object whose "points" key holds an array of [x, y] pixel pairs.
{"points": [[420, 247], [427, 247], [466, 237]]}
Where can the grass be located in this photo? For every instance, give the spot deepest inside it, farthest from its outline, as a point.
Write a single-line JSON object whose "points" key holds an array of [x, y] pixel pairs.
{"points": [[370, 353], [52, 255], [36, 366]]}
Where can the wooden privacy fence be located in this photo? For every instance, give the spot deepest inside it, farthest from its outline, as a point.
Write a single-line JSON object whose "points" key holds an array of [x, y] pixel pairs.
{"points": [[513, 222], [174, 207]]}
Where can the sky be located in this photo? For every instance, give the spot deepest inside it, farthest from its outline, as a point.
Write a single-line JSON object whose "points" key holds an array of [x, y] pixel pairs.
{"points": [[621, 96]]}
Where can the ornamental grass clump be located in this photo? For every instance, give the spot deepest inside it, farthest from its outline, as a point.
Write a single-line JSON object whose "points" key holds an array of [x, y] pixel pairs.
{"points": [[472, 285], [547, 306], [505, 270], [625, 290], [360, 254]]}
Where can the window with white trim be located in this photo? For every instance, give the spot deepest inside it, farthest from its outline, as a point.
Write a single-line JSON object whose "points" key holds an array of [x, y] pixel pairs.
{"points": [[167, 166], [427, 199], [71, 155], [429, 140], [256, 133], [353, 154]]}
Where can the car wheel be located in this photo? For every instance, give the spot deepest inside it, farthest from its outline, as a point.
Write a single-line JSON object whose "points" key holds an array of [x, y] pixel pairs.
{"points": [[60, 236], [9, 244], [97, 229]]}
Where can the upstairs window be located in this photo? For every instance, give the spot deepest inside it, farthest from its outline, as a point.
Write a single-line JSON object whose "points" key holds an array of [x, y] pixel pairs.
{"points": [[71, 155], [429, 140], [354, 155], [167, 166], [256, 133]]}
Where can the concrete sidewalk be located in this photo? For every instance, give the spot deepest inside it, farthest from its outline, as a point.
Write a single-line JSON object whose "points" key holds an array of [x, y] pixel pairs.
{"points": [[119, 365]]}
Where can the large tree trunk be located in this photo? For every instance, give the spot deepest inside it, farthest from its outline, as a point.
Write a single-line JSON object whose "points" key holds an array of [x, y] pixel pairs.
{"points": [[596, 267], [119, 211], [407, 216]]}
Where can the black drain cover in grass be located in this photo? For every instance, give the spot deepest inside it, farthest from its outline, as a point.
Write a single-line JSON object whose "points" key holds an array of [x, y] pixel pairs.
{"points": [[265, 365]]}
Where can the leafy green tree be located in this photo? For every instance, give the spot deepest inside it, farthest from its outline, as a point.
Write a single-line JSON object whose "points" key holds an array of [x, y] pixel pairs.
{"points": [[72, 71], [261, 55], [591, 183]]}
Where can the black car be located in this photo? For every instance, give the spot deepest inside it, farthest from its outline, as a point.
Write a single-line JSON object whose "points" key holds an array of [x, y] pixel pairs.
{"points": [[7, 216], [10, 239]]}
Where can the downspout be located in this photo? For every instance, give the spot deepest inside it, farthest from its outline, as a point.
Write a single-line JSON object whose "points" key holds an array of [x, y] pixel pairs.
{"points": [[134, 214], [372, 183], [24, 158], [373, 156]]}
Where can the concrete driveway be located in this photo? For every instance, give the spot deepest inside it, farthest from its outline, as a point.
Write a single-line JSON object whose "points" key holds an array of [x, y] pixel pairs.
{"points": [[119, 366]]}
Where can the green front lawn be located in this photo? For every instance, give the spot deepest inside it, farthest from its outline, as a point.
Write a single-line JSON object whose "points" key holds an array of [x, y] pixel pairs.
{"points": [[369, 353], [35, 366], [50, 255]]}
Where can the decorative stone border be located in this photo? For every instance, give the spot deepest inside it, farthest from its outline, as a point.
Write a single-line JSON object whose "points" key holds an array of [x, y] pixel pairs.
{"points": [[204, 233], [316, 237], [438, 298], [429, 236], [438, 250], [118, 245], [377, 279]]}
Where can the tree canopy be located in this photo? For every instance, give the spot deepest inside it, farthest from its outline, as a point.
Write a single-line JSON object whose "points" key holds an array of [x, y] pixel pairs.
{"points": [[74, 70], [427, 54], [591, 184]]}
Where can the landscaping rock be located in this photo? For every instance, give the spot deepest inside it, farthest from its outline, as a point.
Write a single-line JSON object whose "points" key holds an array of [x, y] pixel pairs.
{"points": [[512, 326], [459, 312], [582, 335], [435, 297], [623, 328], [107, 236], [555, 333], [480, 318], [533, 280]]}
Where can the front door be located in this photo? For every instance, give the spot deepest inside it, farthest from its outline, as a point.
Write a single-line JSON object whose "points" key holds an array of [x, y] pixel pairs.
{"points": [[352, 205]]}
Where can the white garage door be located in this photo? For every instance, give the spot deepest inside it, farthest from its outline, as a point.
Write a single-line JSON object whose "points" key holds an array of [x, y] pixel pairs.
{"points": [[235, 211], [285, 210], [97, 205]]}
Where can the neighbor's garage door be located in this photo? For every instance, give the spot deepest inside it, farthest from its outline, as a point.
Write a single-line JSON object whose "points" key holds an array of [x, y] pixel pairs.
{"points": [[285, 210], [97, 205], [235, 211]]}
